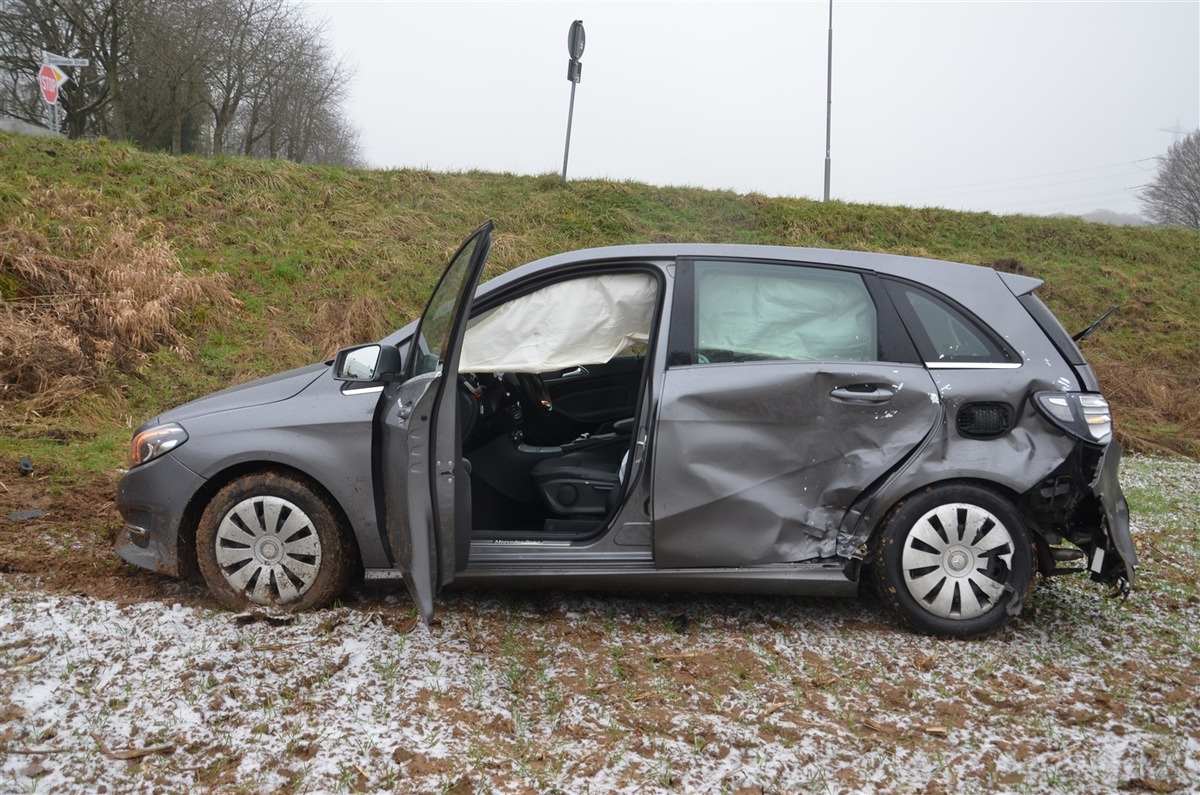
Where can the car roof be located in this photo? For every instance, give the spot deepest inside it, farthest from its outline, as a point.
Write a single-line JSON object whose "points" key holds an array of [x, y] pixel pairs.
{"points": [[921, 269], [965, 281]]}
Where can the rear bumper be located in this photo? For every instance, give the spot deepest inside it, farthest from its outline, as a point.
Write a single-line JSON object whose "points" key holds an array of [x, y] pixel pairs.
{"points": [[1113, 558], [152, 500], [1081, 502]]}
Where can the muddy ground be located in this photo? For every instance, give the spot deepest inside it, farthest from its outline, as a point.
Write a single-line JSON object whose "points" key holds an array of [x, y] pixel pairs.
{"points": [[117, 680]]}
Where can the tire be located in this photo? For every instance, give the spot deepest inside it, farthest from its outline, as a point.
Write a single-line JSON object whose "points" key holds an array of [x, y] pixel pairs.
{"points": [[270, 539], [954, 561]]}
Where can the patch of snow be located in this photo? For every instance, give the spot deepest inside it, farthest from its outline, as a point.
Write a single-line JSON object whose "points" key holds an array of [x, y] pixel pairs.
{"points": [[607, 693]]}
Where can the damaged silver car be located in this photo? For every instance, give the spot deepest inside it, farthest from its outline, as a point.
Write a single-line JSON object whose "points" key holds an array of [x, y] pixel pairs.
{"points": [[660, 417]]}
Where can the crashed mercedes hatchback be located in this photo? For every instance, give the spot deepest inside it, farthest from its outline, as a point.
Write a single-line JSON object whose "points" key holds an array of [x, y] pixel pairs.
{"points": [[660, 417]]}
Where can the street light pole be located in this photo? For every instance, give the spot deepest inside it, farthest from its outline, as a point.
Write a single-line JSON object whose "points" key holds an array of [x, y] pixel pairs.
{"points": [[828, 99]]}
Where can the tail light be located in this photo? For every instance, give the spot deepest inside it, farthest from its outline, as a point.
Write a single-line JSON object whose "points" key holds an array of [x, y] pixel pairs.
{"points": [[1085, 415]]}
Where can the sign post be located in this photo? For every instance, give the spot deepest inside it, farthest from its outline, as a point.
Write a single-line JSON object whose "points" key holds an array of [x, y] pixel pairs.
{"points": [[575, 42], [50, 79], [828, 98]]}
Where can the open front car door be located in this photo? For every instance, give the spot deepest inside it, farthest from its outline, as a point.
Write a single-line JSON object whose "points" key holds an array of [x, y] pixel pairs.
{"points": [[425, 482]]}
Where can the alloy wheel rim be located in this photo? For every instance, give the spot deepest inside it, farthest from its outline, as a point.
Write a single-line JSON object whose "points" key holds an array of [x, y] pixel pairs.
{"points": [[268, 549], [957, 561]]}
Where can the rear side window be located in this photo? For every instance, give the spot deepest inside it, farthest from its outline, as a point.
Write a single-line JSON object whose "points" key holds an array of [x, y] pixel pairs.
{"points": [[945, 334], [760, 311]]}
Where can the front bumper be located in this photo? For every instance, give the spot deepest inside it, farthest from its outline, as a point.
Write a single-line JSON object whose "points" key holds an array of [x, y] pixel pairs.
{"points": [[153, 501]]}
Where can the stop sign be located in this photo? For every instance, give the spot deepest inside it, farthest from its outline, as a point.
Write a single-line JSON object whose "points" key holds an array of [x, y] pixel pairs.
{"points": [[48, 82]]}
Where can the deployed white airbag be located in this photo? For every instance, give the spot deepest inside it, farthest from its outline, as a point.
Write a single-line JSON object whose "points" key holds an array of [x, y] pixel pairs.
{"points": [[786, 314], [583, 321]]}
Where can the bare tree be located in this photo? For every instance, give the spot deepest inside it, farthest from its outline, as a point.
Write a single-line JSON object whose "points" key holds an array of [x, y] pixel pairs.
{"points": [[262, 113], [167, 88], [29, 26], [249, 29], [295, 110], [337, 144], [18, 88], [297, 113], [254, 75], [103, 29], [1173, 197]]}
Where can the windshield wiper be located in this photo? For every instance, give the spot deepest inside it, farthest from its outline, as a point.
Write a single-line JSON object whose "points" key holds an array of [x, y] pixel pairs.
{"points": [[1087, 332]]}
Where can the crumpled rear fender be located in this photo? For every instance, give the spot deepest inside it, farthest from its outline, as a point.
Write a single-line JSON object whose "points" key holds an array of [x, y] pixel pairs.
{"points": [[1113, 558]]}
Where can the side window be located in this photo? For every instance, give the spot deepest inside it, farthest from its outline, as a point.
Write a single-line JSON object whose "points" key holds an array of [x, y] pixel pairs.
{"points": [[745, 311], [945, 334]]}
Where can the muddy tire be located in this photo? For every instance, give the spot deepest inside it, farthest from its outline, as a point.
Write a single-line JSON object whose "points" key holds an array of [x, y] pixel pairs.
{"points": [[269, 539], [954, 561]]}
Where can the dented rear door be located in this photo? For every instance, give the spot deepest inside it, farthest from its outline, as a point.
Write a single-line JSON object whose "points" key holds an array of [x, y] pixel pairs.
{"points": [[777, 411]]}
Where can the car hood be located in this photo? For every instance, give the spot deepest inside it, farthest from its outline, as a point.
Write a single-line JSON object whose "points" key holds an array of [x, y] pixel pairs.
{"points": [[271, 389]]}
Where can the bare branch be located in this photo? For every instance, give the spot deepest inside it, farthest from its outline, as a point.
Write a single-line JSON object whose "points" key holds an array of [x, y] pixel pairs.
{"points": [[1173, 198]]}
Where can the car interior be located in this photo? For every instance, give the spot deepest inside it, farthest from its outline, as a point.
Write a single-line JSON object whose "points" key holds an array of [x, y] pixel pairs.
{"points": [[547, 401]]}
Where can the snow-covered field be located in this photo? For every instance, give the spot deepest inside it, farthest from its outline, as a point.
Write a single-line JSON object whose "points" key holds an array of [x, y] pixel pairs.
{"points": [[558, 692]]}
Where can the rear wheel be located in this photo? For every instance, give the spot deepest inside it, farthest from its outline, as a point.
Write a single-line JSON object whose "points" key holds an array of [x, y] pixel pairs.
{"points": [[954, 561], [269, 539]]}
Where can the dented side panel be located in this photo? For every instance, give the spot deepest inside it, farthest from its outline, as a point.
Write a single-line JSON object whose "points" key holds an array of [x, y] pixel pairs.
{"points": [[1015, 462], [758, 462], [1088, 506]]}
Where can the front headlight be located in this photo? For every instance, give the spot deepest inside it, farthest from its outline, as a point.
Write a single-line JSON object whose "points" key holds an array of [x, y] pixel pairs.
{"points": [[1082, 414], [150, 444]]}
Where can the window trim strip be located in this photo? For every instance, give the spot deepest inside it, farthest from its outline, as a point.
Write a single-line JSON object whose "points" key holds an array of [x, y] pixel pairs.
{"points": [[974, 365]]}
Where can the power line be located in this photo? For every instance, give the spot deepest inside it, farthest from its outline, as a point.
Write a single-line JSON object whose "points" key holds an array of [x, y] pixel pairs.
{"points": [[1030, 187], [1063, 201], [912, 191]]}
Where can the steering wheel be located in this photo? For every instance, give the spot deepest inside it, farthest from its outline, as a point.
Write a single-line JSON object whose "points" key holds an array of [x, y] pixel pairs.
{"points": [[534, 392]]}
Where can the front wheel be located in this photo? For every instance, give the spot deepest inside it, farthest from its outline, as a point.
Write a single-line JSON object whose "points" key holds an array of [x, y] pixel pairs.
{"points": [[269, 539], [954, 561]]}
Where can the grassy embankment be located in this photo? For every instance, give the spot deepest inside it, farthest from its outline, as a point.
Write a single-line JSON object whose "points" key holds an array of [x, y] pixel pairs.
{"points": [[134, 281]]}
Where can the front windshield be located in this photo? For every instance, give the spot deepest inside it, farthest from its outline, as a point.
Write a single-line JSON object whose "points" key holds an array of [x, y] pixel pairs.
{"points": [[433, 333]]}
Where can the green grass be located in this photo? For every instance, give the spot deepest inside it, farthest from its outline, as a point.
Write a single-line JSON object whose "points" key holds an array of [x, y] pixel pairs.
{"points": [[301, 244]]}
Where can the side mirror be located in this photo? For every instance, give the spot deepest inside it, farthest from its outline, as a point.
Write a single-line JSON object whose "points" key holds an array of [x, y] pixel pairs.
{"points": [[367, 363]]}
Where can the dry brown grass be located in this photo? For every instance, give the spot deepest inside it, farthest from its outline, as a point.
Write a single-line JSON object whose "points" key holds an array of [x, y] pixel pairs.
{"points": [[1148, 401], [349, 322], [102, 295]]}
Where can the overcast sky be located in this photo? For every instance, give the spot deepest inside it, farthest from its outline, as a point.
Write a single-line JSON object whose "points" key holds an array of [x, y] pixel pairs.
{"points": [[1033, 107]]}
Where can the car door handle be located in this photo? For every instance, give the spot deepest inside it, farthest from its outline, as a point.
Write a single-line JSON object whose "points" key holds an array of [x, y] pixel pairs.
{"points": [[573, 373], [863, 393]]}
